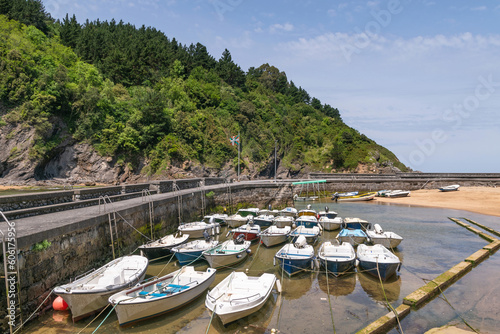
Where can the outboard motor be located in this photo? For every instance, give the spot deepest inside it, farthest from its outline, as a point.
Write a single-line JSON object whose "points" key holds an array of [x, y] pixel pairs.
{"points": [[308, 206], [206, 236], [270, 208], [300, 242], [239, 239], [326, 209]]}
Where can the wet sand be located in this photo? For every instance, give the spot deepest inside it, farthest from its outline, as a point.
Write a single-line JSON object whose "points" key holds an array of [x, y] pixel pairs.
{"points": [[483, 200]]}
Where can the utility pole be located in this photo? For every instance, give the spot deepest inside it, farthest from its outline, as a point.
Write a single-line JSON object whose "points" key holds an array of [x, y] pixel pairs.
{"points": [[275, 143]]}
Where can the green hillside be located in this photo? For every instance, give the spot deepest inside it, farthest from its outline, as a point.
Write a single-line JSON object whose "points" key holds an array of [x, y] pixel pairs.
{"points": [[150, 102]]}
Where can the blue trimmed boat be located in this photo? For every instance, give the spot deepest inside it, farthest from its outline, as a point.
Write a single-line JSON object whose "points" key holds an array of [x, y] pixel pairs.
{"points": [[306, 221], [377, 260], [295, 257], [354, 237], [337, 258], [192, 251]]}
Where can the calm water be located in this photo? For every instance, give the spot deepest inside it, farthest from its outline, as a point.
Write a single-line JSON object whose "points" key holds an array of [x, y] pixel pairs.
{"points": [[432, 244]]}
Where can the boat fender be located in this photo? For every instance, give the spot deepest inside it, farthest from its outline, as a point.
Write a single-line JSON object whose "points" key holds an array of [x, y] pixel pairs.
{"points": [[228, 233], [217, 229], [274, 261], [356, 263], [249, 250], [378, 229], [312, 264], [278, 285], [59, 304]]}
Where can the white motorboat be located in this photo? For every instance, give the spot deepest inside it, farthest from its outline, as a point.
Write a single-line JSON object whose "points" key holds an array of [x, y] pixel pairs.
{"points": [[282, 221], [398, 193], [161, 295], [217, 217], [289, 211], [356, 198], [327, 213], [378, 261], [227, 253], [307, 221], [310, 233], [90, 293], [330, 224], [307, 212], [453, 187], [196, 229], [296, 257], [248, 212], [162, 247], [239, 295], [387, 239], [354, 237], [264, 220], [192, 251], [337, 258], [274, 235], [236, 220]]}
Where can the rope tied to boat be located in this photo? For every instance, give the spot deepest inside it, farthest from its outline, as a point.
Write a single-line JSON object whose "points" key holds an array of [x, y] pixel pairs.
{"points": [[329, 300], [387, 301], [32, 314]]}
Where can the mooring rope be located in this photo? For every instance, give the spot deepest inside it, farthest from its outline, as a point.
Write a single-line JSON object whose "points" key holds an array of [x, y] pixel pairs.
{"points": [[329, 300], [447, 301], [105, 307], [95, 330], [386, 300]]}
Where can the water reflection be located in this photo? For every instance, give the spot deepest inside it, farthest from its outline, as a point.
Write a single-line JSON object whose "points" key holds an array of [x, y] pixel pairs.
{"points": [[296, 286], [373, 288], [337, 286]]}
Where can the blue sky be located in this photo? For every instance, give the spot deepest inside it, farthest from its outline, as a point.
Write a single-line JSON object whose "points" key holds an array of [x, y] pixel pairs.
{"points": [[420, 77]]}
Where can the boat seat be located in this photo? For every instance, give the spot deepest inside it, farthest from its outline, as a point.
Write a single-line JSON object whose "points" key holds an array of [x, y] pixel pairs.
{"points": [[174, 288], [154, 294]]}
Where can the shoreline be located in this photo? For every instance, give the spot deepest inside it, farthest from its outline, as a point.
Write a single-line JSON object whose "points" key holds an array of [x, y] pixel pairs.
{"points": [[482, 200]]}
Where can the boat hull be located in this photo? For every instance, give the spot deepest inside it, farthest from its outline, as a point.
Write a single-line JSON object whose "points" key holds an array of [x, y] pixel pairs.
{"points": [[330, 224], [129, 313], [248, 236], [386, 269], [270, 240], [294, 266], [337, 267], [388, 242], [226, 260]]}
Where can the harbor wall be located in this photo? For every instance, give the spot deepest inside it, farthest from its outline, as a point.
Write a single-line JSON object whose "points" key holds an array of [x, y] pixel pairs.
{"points": [[47, 258]]}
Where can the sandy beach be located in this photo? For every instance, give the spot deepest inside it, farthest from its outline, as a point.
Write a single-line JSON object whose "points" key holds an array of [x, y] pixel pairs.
{"points": [[484, 200]]}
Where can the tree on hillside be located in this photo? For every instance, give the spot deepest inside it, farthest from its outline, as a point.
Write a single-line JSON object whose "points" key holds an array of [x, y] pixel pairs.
{"points": [[229, 71], [29, 12], [70, 31]]}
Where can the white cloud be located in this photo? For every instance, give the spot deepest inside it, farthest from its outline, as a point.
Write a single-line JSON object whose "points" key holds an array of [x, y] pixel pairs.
{"points": [[281, 27], [479, 8]]}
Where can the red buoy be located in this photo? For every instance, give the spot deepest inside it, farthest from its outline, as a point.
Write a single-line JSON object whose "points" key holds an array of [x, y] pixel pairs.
{"points": [[59, 304]]}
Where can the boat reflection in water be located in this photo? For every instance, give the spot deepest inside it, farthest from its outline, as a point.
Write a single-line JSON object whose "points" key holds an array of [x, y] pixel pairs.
{"points": [[371, 285], [337, 286]]}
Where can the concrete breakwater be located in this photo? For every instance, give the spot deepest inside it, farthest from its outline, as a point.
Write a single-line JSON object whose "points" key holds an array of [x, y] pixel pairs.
{"points": [[53, 248]]}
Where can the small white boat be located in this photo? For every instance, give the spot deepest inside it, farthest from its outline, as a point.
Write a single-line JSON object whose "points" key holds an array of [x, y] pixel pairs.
{"points": [[239, 295], [398, 193], [453, 187], [310, 233], [347, 194], [192, 251], [377, 260], [354, 237], [337, 258], [356, 223], [217, 217], [275, 235], [90, 293], [307, 221], [296, 257], [163, 246], [248, 212], [329, 220], [227, 253], [289, 211], [236, 220], [327, 213], [161, 295], [196, 229], [264, 220], [387, 239], [282, 221]]}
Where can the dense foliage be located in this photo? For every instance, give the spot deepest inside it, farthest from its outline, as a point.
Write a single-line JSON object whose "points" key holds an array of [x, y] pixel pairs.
{"points": [[135, 94]]}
